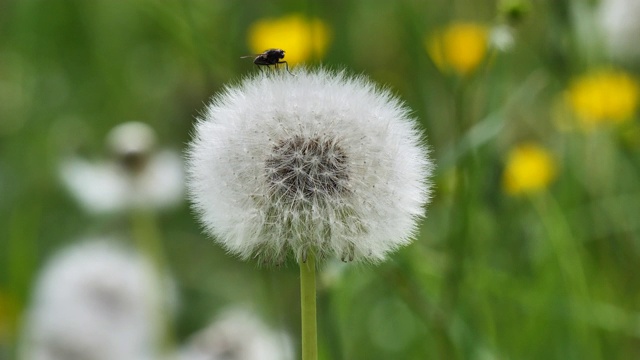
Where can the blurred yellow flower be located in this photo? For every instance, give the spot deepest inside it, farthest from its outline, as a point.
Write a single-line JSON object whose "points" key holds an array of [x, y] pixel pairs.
{"points": [[459, 47], [302, 39], [529, 168], [603, 96]]}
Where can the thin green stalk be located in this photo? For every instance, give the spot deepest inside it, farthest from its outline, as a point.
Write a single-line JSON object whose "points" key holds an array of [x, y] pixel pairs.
{"points": [[21, 265], [308, 308], [147, 235], [569, 253]]}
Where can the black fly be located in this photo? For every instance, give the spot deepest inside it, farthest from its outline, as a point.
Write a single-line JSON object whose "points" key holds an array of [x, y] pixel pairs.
{"points": [[270, 57]]}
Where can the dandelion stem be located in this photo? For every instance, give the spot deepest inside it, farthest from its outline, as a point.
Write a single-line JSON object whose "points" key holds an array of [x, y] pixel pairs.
{"points": [[147, 235], [308, 308]]}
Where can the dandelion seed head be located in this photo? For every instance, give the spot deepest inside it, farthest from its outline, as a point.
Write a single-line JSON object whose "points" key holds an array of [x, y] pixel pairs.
{"points": [[618, 20], [96, 301], [320, 162], [501, 37], [131, 143], [138, 176], [237, 334]]}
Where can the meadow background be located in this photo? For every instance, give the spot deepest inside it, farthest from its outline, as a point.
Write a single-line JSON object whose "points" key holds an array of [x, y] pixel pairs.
{"points": [[530, 248]]}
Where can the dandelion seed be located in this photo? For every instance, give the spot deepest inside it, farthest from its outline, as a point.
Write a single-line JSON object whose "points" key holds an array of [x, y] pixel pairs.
{"points": [[321, 162]]}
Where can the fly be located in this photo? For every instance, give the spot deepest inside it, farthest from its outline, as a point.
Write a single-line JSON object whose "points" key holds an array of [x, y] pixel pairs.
{"points": [[270, 57]]}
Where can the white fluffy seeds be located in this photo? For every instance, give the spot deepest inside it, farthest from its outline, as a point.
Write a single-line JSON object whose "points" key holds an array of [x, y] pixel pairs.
{"points": [[319, 162], [237, 334], [95, 301]]}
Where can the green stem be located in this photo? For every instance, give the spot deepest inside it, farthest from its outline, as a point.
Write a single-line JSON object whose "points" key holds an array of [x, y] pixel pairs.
{"points": [[149, 242], [148, 237], [308, 308]]}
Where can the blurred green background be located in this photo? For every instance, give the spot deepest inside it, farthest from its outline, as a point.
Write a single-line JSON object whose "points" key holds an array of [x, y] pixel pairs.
{"points": [[548, 270]]}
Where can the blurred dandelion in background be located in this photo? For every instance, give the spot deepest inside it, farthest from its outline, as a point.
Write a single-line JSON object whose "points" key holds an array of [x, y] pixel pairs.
{"points": [[137, 176], [621, 28], [529, 168], [99, 301], [237, 334], [502, 38], [303, 39], [603, 96], [459, 47]]}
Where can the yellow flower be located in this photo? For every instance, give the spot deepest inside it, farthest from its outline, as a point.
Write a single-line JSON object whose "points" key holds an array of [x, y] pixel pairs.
{"points": [[529, 168], [302, 39], [603, 96], [460, 47]]}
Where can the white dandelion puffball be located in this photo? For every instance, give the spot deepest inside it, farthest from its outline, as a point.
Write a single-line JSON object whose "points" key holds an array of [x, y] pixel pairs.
{"points": [[95, 301], [321, 162], [137, 177], [619, 22], [238, 334]]}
